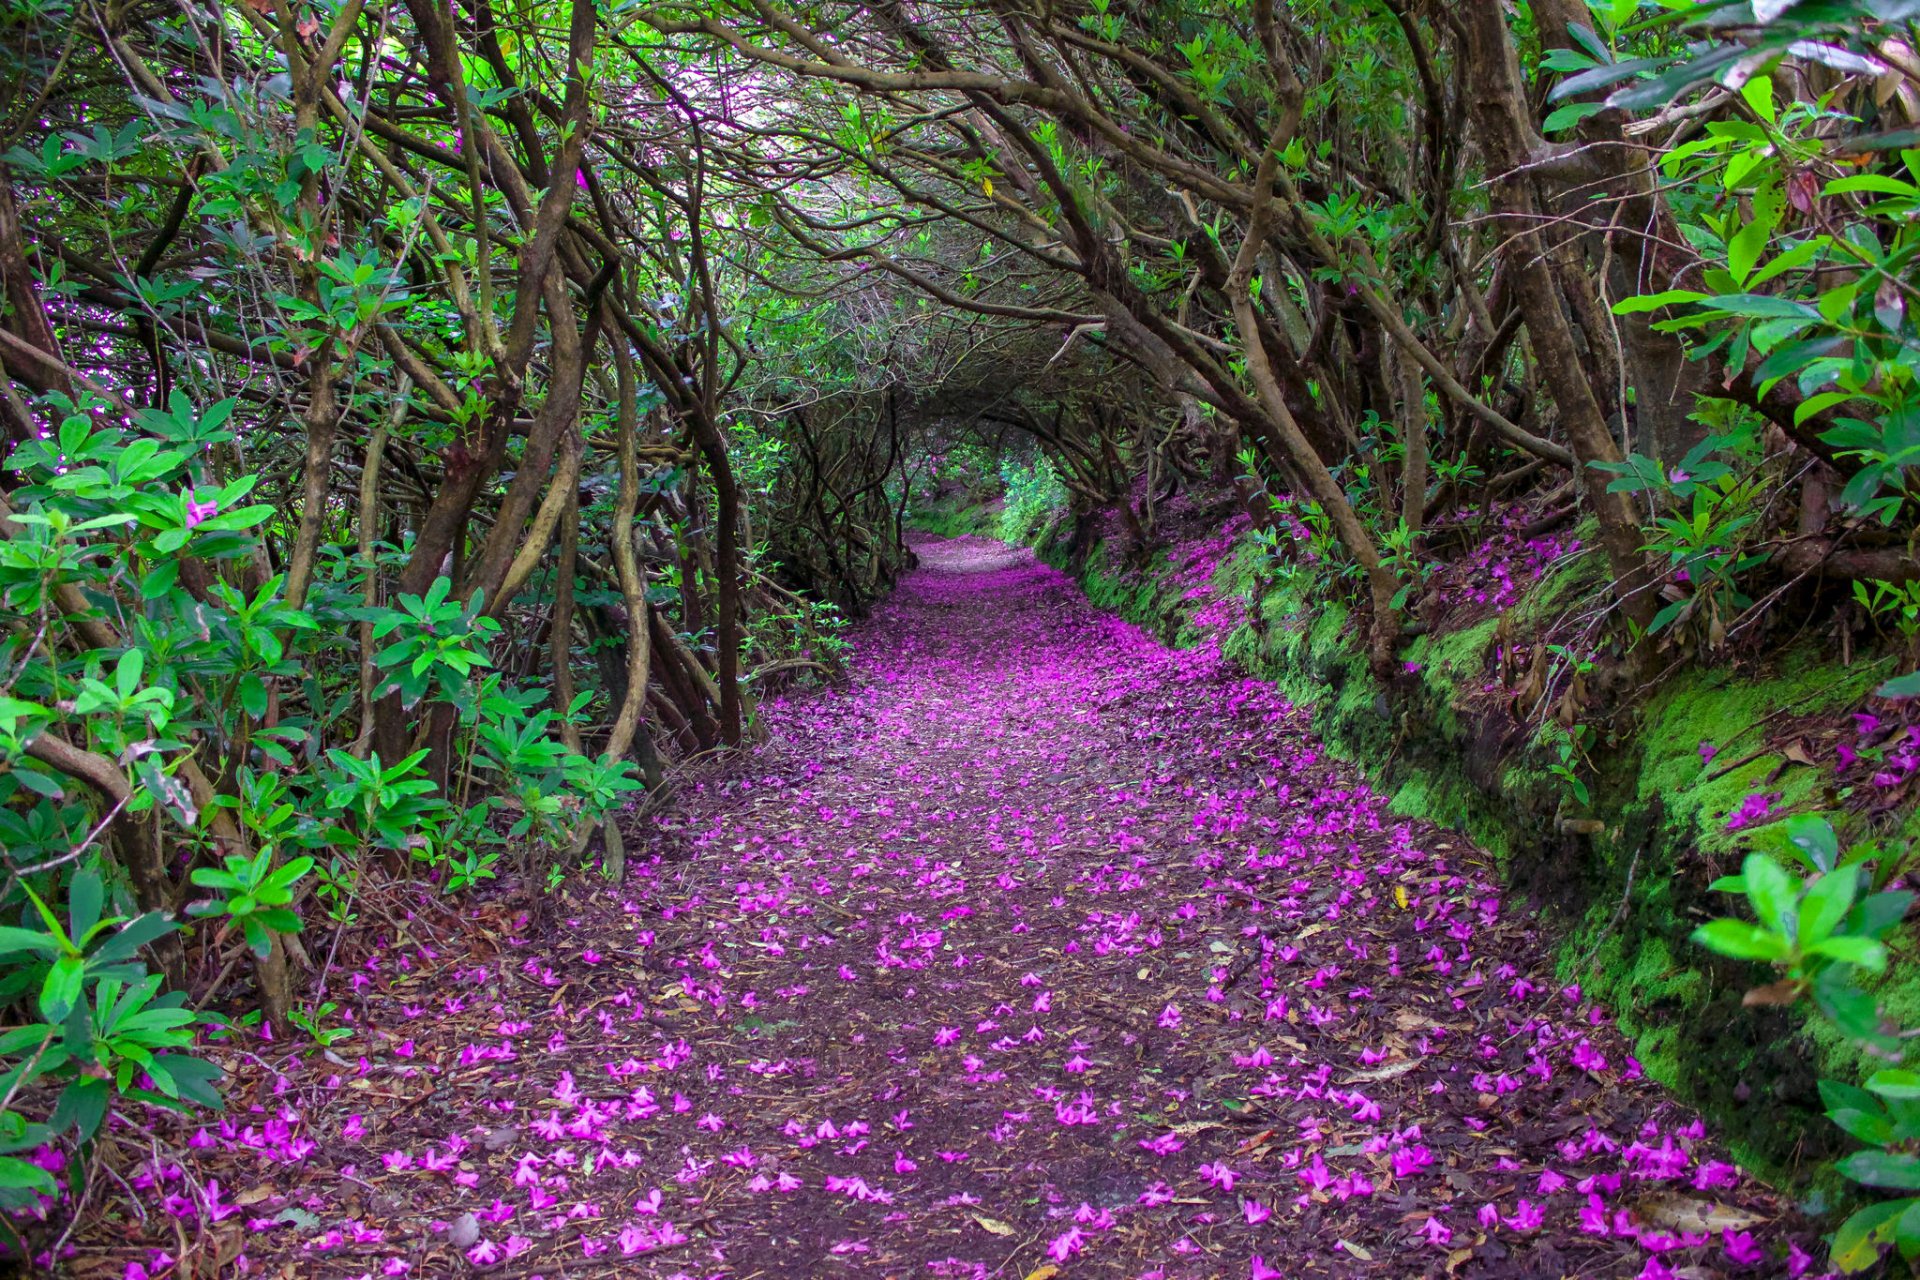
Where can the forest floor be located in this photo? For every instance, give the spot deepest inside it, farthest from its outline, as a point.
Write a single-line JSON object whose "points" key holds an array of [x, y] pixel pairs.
{"points": [[1040, 950]]}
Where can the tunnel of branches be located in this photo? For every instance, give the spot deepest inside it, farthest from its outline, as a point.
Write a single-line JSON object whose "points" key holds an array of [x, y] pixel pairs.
{"points": [[614, 349], [461, 416]]}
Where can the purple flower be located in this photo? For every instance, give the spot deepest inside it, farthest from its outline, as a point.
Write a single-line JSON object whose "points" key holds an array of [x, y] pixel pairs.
{"points": [[1752, 809], [1740, 1247], [1527, 1216], [1219, 1175]]}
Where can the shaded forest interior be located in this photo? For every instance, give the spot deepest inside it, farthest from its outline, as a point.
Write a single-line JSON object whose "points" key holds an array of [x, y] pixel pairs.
{"points": [[432, 432]]}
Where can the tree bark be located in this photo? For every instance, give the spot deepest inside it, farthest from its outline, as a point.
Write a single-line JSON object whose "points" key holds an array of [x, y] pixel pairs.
{"points": [[1504, 127]]}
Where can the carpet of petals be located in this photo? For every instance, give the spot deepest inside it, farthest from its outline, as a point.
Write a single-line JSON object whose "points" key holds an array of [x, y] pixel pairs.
{"points": [[1041, 950]]}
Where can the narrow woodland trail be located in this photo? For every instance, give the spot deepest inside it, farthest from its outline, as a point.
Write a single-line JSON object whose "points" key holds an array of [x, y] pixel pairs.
{"points": [[1042, 946]]}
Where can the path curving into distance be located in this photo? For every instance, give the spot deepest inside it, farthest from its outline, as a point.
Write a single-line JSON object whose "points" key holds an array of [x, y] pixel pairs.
{"points": [[1042, 945]]}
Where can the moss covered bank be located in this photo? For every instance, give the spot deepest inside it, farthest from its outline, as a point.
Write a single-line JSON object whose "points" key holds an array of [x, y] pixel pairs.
{"points": [[1625, 883]]}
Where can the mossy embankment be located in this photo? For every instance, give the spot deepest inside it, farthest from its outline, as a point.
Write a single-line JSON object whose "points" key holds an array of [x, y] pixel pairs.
{"points": [[1620, 888]]}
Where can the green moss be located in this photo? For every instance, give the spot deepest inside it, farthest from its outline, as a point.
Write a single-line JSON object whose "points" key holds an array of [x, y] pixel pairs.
{"points": [[949, 520], [1571, 582], [1730, 713]]}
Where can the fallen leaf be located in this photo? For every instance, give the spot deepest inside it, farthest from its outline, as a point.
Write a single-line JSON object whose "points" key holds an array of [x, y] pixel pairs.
{"points": [[994, 1225], [1391, 1071], [1047, 1272], [298, 1219], [1786, 991], [1253, 1142], [1690, 1213], [464, 1231]]}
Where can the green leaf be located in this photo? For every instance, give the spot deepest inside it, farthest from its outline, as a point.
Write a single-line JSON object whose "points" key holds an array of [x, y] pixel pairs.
{"points": [[1876, 913], [1864, 952], [64, 985], [1895, 1082], [286, 876], [1907, 686], [1601, 77], [1771, 891], [1813, 836], [1851, 1010], [1857, 1113], [1583, 35], [19, 1175], [1825, 905], [279, 919], [253, 695], [1798, 256], [136, 933], [82, 1107], [1740, 940], [1744, 249], [1878, 183], [1820, 404], [1857, 1244], [237, 519], [1569, 115], [1882, 1169], [14, 940], [85, 898], [126, 676], [195, 1078], [1762, 306], [1655, 301], [1566, 60]]}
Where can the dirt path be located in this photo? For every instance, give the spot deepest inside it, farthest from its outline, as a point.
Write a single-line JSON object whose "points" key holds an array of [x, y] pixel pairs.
{"points": [[1042, 946]]}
